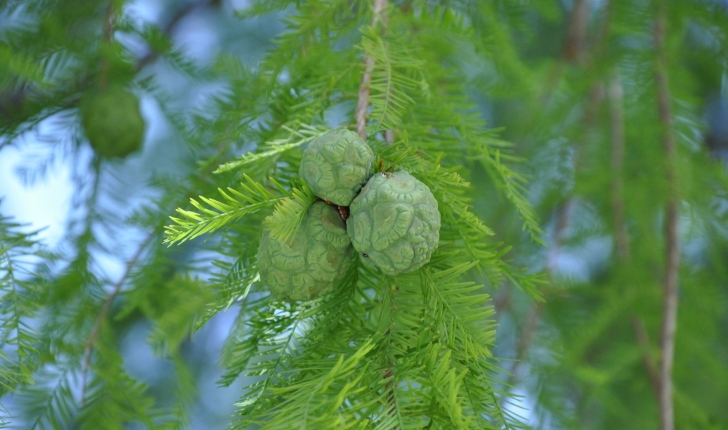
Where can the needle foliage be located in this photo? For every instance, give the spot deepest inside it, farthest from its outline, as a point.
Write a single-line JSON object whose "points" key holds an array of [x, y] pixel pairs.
{"points": [[539, 127]]}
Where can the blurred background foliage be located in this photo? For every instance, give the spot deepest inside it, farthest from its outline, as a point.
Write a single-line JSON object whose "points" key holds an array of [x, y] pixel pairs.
{"points": [[571, 84]]}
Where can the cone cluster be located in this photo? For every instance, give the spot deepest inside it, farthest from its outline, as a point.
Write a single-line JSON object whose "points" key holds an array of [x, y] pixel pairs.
{"points": [[393, 223]]}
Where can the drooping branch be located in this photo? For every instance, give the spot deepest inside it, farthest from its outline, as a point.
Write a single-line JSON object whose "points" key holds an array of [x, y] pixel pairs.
{"points": [[616, 123], [105, 308], [576, 37], [204, 171], [362, 104], [616, 126], [640, 333], [573, 49], [672, 256], [107, 36]]}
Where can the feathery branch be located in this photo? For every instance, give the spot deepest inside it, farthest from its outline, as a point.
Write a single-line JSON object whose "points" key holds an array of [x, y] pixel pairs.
{"points": [[106, 306], [215, 214]]}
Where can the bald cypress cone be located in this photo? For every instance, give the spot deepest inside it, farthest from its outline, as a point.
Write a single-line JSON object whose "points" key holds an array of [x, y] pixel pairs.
{"points": [[394, 223], [336, 165], [310, 265], [112, 121]]}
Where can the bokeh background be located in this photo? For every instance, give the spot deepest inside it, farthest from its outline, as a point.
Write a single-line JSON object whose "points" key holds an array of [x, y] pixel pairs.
{"points": [[573, 71]]}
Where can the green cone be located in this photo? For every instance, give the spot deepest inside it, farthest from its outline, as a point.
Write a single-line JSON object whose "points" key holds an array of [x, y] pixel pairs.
{"points": [[312, 263], [394, 223], [112, 121], [336, 166]]}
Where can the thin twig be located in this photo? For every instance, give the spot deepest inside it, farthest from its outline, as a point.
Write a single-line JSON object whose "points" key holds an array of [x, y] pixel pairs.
{"points": [[616, 122], [502, 301], [640, 333], [530, 326], [576, 38], [107, 36], [562, 221], [669, 316], [362, 104], [525, 339], [389, 137], [573, 49], [105, 310]]}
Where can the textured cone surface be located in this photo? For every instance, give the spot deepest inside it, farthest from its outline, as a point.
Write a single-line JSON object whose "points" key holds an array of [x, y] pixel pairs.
{"points": [[394, 223], [112, 121], [311, 264], [336, 165]]}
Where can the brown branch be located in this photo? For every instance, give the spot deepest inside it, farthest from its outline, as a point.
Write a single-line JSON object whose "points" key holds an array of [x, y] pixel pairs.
{"points": [[362, 104], [107, 36], [573, 49], [576, 37], [525, 339], [640, 333], [672, 257], [616, 122], [615, 95]]}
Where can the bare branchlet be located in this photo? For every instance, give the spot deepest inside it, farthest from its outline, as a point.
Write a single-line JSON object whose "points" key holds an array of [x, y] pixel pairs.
{"points": [[672, 256], [362, 104]]}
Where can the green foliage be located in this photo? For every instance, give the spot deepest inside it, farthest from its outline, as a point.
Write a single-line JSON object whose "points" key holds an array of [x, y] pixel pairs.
{"points": [[20, 288], [251, 198], [295, 139], [357, 357], [397, 73], [326, 359], [576, 162], [289, 212]]}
